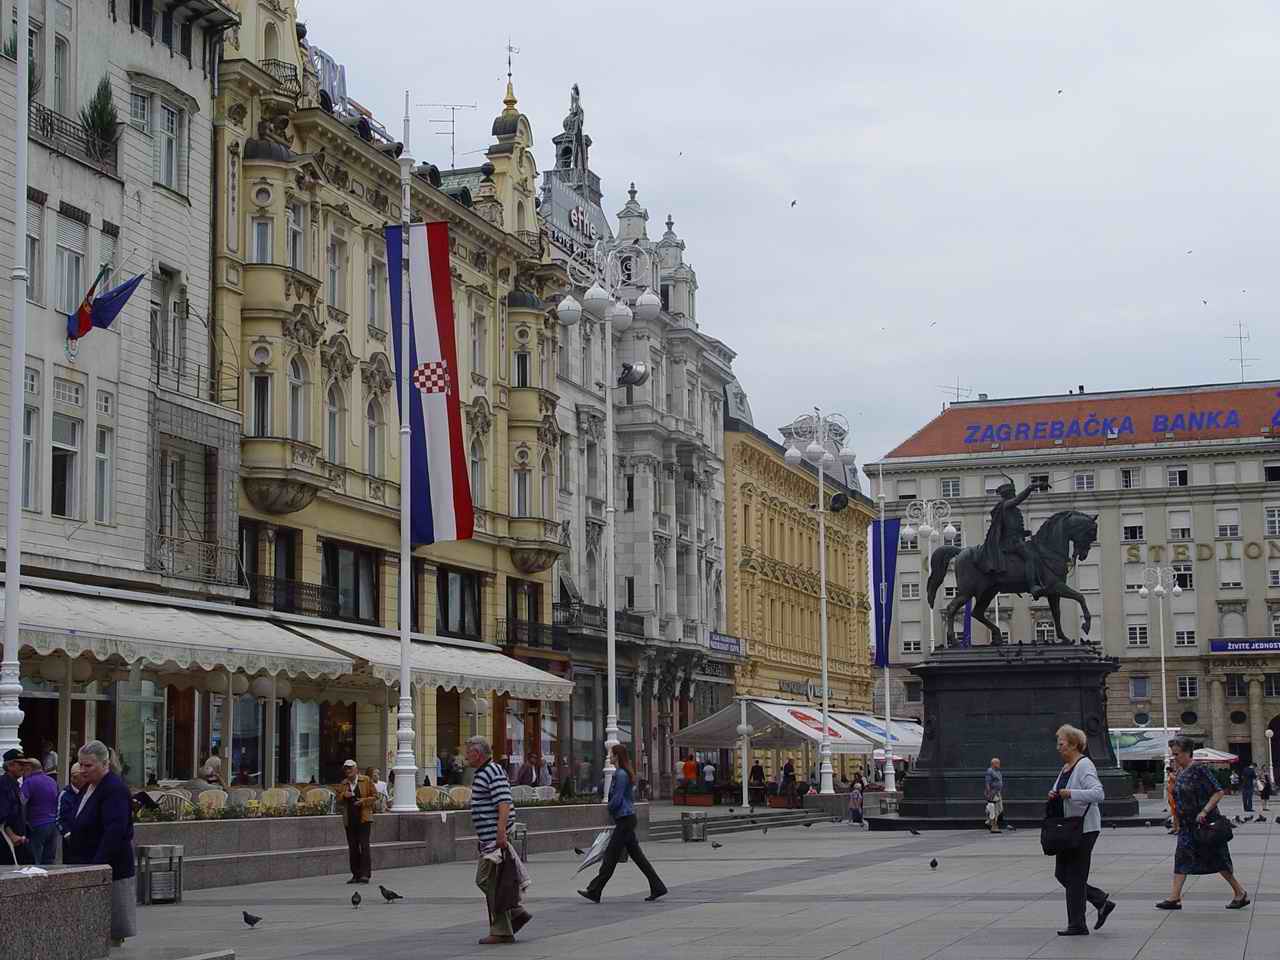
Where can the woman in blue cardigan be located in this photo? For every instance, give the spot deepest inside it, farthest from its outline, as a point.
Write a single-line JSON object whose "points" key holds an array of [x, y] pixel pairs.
{"points": [[102, 833], [622, 809]]}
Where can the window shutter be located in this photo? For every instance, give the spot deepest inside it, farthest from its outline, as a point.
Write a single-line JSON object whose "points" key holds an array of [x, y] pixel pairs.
{"points": [[71, 234], [1180, 519], [156, 140], [35, 220]]}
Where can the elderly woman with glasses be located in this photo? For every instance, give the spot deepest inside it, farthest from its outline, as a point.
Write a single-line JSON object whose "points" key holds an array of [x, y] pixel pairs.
{"points": [[102, 832], [1197, 794]]}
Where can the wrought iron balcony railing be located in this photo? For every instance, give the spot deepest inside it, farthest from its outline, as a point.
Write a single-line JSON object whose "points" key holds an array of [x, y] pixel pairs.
{"points": [[285, 74], [527, 634], [581, 616], [208, 561], [67, 136], [292, 596]]}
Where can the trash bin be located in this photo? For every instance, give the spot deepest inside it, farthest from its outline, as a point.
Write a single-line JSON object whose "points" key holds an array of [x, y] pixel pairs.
{"points": [[519, 839], [159, 873], [693, 827]]}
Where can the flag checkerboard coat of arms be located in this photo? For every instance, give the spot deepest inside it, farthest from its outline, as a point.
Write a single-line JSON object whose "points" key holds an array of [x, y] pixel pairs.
{"points": [[440, 505]]}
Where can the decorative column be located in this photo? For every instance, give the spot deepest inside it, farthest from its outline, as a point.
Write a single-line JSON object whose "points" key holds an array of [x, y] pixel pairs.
{"points": [[671, 587], [1218, 712], [638, 731], [655, 735], [1257, 728], [64, 723], [228, 728]]}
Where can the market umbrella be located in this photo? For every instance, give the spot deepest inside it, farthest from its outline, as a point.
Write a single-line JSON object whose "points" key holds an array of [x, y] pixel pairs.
{"points": [[1209, 755]]}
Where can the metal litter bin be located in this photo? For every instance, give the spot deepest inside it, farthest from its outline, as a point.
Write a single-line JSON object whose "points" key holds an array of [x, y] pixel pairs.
{"points": [[159, 873], [518, 837], [693, 827]]}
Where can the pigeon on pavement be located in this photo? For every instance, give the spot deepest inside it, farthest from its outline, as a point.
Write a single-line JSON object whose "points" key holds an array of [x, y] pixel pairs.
{"points": [[933, 864], [808, 825], [914, 832], [763, 831], [355, 900], [388, 895], [715, 845], [579, 851], [250, 919]]}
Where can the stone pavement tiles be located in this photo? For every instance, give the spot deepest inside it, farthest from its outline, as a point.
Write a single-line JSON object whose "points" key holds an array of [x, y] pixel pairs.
{"points": [[832, 892]]}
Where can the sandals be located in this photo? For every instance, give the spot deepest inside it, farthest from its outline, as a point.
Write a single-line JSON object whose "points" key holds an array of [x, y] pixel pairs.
{"points": [[1169, 905], [1239, 903]]}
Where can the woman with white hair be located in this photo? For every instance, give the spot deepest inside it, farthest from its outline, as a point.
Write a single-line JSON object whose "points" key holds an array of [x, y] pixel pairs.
{"points": [[1078, 793], [102, 833]]}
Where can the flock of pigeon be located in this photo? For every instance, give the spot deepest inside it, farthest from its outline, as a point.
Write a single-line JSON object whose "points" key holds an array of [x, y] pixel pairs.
{"points": [[388, 895]]}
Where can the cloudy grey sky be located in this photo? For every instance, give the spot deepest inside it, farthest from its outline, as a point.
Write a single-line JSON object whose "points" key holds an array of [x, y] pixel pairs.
{"points": [[956, 216]]}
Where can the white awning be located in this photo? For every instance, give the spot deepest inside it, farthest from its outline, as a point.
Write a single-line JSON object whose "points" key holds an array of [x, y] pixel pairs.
{"points": [[443, 665], [149, 631], [778, 724], [907, 737]]}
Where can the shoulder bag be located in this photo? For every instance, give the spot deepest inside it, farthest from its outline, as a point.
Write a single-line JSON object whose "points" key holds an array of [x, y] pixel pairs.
{"points": [[1060, 833]]}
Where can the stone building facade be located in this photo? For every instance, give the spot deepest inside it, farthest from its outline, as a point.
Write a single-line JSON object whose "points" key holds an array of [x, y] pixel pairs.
{"points": [[1186, 478]]}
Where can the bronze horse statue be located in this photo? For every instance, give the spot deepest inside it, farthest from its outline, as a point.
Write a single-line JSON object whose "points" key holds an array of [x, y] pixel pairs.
{"points": [[1065, 538]]}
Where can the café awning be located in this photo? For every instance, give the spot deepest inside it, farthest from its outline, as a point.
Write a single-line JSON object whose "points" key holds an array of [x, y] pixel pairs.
{"points": [[907, 737], [157, 633], [778, 725], [447, 665]]}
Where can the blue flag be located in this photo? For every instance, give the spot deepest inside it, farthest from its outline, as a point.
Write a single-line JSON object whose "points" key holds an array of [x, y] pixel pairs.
{"points": [[967, 641], [882, 572], [102, 311]]}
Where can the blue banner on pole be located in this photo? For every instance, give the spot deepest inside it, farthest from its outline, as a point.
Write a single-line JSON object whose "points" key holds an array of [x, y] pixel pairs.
{"points": [[884, 566], [967, 640]]}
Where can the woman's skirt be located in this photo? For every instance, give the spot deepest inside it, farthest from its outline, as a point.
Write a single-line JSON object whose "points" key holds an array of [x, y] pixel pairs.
{"points": [[124, 908]]}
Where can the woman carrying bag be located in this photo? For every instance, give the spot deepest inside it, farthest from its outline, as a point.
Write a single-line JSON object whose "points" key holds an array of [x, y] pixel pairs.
{"points": [[1072, 824], [1203, 833], [622, 809]]}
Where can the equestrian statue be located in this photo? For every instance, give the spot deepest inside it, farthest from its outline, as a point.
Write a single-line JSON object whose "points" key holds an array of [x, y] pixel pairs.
{"points": [[1011, 560]]}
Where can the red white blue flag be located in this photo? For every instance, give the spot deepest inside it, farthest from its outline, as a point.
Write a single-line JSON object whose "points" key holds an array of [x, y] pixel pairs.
{"points": [[100, 311], [440, 505]]}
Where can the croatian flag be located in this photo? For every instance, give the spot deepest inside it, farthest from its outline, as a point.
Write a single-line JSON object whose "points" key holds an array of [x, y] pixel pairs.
{"points": [[440, 495]]}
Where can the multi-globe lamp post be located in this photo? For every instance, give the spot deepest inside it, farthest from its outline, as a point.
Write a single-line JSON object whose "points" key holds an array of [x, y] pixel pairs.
{"points": [[822, 432], [926, 518], [608, 271], [1161, 581]]}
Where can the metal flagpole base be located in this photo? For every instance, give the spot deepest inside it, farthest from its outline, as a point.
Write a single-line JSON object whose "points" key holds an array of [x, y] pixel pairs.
{"points": [[610, 741], [405, 799], [825, 772], [10, 709]]}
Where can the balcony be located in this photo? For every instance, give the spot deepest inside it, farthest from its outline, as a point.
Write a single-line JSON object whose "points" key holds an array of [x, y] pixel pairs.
{"points": [[524, 633], [292, 596], [376, 332], [662, 523], [285, 75], [281, 475], [585, 616], [684, 530], [690, 632], [205, 561], [536, 543], [69, 137], [595, 507], [184, 377]]}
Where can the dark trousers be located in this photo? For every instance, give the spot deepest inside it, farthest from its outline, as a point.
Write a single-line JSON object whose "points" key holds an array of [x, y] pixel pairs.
{"points": [[358, 849], [1246, 794], [624, 838], [1072, 871]]}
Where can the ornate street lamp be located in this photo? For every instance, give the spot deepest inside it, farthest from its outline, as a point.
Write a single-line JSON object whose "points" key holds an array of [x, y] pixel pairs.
{"points": [[926, 517], [1154, 581]]}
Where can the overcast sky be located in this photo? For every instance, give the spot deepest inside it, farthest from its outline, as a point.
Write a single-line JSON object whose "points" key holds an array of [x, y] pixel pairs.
{"points": [[1019, 195]]}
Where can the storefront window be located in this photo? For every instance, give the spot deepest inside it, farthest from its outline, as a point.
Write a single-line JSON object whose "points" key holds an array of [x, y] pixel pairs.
{"points": [[337, 739], [585, 760], [140, 712], [626, 712], [515, 731], [304, 742], [247, 741]]}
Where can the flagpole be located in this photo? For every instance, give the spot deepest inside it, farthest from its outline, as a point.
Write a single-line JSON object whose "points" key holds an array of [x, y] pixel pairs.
{"points": [[10, 679], [890, 776], [406, 782]]}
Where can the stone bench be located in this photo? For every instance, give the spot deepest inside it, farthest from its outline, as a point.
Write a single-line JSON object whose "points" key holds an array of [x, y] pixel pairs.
{"points": [[65, 915]]}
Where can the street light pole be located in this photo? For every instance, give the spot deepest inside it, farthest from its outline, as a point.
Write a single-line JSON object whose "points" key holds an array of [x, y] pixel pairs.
{"points": [[1271, 773], [825, 432], [925, 517], [1153, 581]]}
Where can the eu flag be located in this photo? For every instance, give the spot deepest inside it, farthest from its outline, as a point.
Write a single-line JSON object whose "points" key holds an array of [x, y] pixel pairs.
{"points": [[102, 311]]}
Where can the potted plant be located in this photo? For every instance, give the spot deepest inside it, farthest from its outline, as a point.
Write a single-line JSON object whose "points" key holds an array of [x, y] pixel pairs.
{"points": [[101, 122]]}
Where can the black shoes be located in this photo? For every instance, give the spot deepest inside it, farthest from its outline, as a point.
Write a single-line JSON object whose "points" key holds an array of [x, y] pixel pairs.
{"points": [[656, 895], [1239, 903], [593, 897], [519, 920], [1103, 913], [1074, 932], [353, 880]]}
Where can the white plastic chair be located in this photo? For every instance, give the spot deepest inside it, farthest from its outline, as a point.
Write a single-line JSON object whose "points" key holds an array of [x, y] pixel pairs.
{"points": [[546, 793]]}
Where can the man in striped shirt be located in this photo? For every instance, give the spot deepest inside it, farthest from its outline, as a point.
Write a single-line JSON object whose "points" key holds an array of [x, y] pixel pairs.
{"points": [[492, 813]]}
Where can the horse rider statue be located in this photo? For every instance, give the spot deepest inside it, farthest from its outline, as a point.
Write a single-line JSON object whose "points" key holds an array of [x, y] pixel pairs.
{"points": [[1007, 537]]}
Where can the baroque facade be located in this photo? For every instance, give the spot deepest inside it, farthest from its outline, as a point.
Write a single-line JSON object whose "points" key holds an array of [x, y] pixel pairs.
{"points": [[773, 591], [1186, 478]]}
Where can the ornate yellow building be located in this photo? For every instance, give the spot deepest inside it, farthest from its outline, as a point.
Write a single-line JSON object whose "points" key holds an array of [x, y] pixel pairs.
{"points": [[306, 181], [772, 566]]}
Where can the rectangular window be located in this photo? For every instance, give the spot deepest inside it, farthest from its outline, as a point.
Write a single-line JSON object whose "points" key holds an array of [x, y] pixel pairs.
{"points": [[377, 290], [1132, 577], [631, 493], [1130, 478], [1271, 472], [1082, 481], [35, 252], [991, 483], [30, 457], [1136, 632], [1271, 685], [909, 588], [107, 245], [1045, 632], [353, 571], [522, 369], [169, 135], [60, 53], [68, 391], [1275, 624], [1230, 574], [907, 543], [1139, 688], [1184, 629], [1087, 578], [1178, 476], [949, 593], [1184, 575], [260, 416], [1237, 686], [908, 490], [1132, 527], [70, 289], [1228, 523], [65, 480], [1188, 688], [630, 583], [106, 404], [914, 692], [950, 488], [102, 476], [1179, 524], [458, 603], [140, 110], [911, 636], [297, 236], [1272, 517], [1039, 479], [520, 494], [184, 39], [166, 28], [260, 249], [1224, 473], [337, 256]]}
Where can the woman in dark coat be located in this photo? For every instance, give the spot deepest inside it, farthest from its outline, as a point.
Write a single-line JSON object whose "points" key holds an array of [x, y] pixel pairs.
{"points": [[1197, 794], [102, 833]]}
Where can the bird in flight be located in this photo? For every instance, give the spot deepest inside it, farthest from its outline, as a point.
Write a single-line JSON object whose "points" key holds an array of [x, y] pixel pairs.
{"points": [[355, 900], [250, 919], [793, 203], [1204, 301], [1059, 93], [389, 895]]}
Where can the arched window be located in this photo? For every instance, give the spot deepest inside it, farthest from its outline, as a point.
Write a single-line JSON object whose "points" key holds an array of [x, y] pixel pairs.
{"points": [[660, 587], [478, 483], [297, 399], [520, 224], [373, 438], [593, 577], [270, 43], [548, 488], [333, 445]]}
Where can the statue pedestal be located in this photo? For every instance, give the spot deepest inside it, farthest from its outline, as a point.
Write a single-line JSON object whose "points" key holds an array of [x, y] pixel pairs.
{"points": [[1008, 702]]}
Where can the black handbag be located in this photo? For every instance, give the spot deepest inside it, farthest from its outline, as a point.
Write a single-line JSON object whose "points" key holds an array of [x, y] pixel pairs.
{"points": [[1214, 832], [1059, 834]]}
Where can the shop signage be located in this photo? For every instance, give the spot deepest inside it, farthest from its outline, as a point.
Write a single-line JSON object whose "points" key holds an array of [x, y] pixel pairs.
{"points": [[1245, 646], [804, 688], [1221, 550], [714, 669], [723, 643], [1110, 427], [815, 724]]}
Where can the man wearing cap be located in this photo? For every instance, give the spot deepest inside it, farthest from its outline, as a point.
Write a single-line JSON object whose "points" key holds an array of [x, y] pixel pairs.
{"points": [[1006, 538], [40, 797], [358, 795], [12, 817]]}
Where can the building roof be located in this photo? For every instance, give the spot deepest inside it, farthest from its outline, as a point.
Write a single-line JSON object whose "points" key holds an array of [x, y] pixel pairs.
{"points": [[1121, 418], [836, 483]]}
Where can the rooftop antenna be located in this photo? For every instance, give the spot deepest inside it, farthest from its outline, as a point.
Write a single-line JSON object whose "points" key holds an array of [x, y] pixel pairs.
{"points": [[452, 132], [510, 51], [961, 392], [1242, 337]]}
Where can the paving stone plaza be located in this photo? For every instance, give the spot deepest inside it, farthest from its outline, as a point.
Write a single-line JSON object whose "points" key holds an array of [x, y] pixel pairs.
{"points": [[831, 892]]}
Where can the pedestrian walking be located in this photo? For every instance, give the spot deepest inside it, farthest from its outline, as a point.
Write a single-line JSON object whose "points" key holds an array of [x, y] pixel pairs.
{"points": [[622, 810], [1199, 852], [1268, 788], [357, 796], [709, 777], [1248, 785], [102, 833], [854, 810], [39, 795], [1078, 793], [994, 794], [492, 815]]}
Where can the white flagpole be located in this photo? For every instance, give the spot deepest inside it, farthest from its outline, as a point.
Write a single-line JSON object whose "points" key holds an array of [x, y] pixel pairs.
{"points": [[406, 783], [10, 679], [890, 776]]}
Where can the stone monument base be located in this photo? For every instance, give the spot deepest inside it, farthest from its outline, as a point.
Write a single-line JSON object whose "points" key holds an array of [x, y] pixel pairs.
{"points": [[1008, 702]]}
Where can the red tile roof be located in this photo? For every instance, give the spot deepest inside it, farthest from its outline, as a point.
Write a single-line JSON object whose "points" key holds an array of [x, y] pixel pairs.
{"points": [[1102, 419]]}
